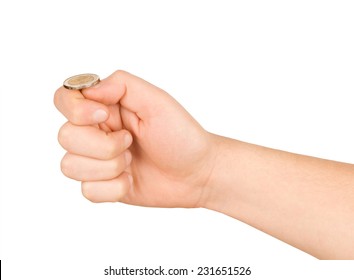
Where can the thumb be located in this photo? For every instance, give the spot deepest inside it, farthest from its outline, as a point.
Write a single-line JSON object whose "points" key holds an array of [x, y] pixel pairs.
{"points": [[132, 92]]}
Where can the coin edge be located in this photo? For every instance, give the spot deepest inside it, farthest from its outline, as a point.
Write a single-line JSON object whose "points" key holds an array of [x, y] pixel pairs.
{"points": [[95, 82]]}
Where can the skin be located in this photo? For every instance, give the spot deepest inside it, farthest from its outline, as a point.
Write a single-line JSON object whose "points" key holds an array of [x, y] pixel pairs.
{"points": [[129, 141]]}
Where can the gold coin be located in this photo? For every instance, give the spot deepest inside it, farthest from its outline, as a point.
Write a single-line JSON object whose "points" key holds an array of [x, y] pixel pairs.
{"points": [[81, 81]]}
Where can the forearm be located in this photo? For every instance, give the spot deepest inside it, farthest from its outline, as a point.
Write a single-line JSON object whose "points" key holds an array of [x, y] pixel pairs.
{"points": [[304, 201]]}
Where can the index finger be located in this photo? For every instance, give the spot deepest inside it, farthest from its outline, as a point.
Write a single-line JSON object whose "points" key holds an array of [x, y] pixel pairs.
{"points": [[79, 110]]}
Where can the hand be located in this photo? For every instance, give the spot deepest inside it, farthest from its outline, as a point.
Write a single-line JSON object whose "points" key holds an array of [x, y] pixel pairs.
{"points": [[130, 141], [127, 128]]}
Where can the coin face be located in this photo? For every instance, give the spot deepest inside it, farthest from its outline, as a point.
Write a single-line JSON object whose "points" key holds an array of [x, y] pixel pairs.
{"points": [[81, 81]]}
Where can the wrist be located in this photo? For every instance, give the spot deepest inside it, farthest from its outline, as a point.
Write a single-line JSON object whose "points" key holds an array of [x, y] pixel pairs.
{"points": [[222, 184]]}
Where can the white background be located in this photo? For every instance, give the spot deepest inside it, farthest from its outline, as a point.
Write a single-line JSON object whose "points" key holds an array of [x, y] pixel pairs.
{"points": [[274, 73]]}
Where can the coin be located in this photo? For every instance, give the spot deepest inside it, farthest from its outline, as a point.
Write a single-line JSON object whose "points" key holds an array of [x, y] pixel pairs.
{"points": [[81, 81]]}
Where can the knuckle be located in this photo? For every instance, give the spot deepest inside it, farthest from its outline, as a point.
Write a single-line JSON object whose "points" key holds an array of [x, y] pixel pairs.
{"points": [[120, 73], [111, 149], [122, 188], [87, 192], [56, 97], [64, 135], [118, 166], [65, 166]]}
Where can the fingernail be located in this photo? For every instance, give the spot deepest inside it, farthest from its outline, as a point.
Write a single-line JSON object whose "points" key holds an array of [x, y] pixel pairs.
{"points": [[97, 85], [128, 157], [127, 140], [99, 116]]}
